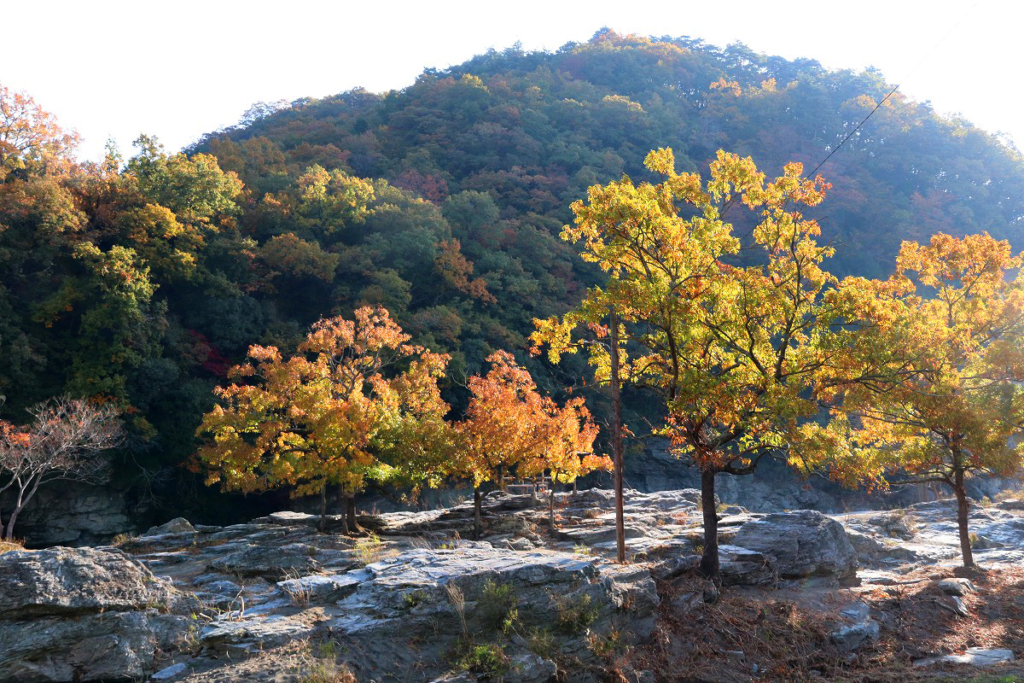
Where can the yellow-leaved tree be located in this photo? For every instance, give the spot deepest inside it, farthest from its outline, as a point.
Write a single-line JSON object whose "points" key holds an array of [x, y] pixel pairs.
{"points": [[355, 391], [733, 350], [942, 338]]}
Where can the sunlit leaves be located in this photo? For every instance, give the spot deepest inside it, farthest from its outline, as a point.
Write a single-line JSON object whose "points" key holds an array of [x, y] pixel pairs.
{"points": [[355, 393], [510, 428], [30, 136], [943, 337], [733, 350]]}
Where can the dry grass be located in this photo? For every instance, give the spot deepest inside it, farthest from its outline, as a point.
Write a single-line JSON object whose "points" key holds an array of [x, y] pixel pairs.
{"points": [[786, 633], [8, 546], [724, 641]]}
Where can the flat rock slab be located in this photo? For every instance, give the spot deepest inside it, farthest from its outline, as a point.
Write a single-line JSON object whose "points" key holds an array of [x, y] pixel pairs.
{"points": [[169, 672], [320, 588], [975, 656], [252, 634]]}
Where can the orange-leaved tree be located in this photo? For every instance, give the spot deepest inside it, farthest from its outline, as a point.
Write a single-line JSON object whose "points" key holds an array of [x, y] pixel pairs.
{"points": [[511, 428], [733, 350], [29, 136], [325, 415], [566, 450], [943, 337]]}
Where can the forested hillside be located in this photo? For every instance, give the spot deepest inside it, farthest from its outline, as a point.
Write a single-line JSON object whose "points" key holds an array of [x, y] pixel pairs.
{"points": [[143, 281]]}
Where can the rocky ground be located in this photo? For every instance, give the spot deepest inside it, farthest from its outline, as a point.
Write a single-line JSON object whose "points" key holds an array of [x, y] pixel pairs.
{"points": [[858, 597]]}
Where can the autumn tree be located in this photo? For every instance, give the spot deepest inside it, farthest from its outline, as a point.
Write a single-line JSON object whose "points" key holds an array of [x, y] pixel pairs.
{"points": [[29, 136], [511, 428], [63, 442], [566, 449], [943, 337], [324, 415], [332, 200], [733, 350]]}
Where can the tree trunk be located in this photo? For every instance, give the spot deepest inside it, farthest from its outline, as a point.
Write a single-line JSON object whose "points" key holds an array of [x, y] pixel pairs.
{"points": [[963, 506], [350, 515], [478, 522], [620, 522], [9, 534], [551, 504], [709, 566], [21, 503], [322, 527]]}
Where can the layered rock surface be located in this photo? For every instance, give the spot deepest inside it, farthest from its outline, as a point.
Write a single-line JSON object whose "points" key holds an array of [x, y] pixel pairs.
{"points": [[83, 615], [276, 600]]}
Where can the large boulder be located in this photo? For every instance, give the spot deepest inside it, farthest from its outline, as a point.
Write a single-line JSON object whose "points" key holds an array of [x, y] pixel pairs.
{"points": [[81, 615], [74, 581], [804, 543]]}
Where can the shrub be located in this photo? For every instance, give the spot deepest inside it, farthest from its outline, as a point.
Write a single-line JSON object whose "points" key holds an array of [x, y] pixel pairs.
{"points": [[369, 549], [487, 660], [497, 607], [575, 614]]}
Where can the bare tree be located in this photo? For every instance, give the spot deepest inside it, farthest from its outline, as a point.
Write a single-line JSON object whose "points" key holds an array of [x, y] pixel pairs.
{"points": [[63, 442]]}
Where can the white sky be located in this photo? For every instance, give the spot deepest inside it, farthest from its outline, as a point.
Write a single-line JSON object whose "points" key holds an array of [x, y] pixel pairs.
{"points": [[180, 69]]}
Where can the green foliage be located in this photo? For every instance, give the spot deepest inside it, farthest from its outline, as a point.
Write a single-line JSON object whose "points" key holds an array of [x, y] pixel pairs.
{"points": [[575, 614], [497, 607], [144, 282], [487, 660]]}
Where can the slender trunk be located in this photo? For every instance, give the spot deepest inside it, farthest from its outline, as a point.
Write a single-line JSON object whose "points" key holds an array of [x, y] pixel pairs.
{"points": [[478, 522], [18, 505], [23, 500], [350, 515], [322, 527], [551, 503], [962, 508], [709, 566], [620, 523]]}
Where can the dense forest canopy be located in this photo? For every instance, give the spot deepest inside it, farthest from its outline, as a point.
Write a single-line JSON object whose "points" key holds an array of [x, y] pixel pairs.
{"points": [[144, 281]]}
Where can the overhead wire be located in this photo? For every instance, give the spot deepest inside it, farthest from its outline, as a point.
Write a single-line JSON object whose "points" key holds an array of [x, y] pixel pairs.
{"points": [[913, 70]]}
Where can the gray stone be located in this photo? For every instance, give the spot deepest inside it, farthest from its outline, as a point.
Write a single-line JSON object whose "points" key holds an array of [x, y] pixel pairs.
{"points": [[686, 602], [72, 581], [70, 513], [804, 543], [956, 606], [320, 588], [959, 587], [521, 544], [273, 562], [741, 566], [250, 635], [851, 638], [178, 525], [169, 672], [530, 668], [409, 595], [857, 612]]}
